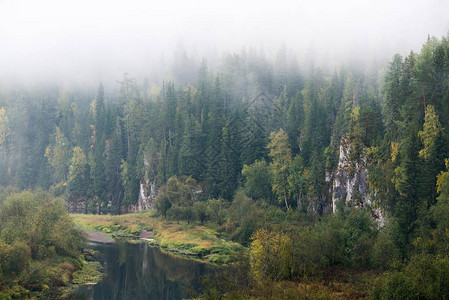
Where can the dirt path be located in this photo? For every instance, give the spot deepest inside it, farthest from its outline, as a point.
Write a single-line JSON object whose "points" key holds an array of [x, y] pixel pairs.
{"points": [[98, 237]]}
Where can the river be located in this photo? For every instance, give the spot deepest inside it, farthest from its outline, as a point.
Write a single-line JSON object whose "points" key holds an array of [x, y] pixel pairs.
{"points": [[138, 271]]}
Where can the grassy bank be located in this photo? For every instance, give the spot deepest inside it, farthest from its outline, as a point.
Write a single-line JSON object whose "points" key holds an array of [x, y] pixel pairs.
{"points": [[197, 241]]}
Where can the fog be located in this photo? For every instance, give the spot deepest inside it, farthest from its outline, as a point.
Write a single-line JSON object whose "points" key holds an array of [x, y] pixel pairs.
{"points": [[92, 41]]}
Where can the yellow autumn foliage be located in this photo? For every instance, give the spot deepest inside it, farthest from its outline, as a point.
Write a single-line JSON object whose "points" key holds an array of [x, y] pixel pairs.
{"points": [[431, 131], [270, 256]]}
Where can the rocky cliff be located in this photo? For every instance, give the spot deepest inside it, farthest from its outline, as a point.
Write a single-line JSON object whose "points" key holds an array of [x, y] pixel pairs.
{"points": [[350, 179], [147, 189], [349, 182], [147, 195]]}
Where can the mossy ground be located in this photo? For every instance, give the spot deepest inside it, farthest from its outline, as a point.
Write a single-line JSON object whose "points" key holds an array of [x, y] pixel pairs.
{"points": [[91, 273], [50, 280], [198, 241]]}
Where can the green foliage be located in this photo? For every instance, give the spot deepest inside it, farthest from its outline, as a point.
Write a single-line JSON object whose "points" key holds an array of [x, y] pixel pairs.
{"points": [[297, 181], [385, 252], [270, 256], [130, 183], [281, 158], [14, 258], [437, 240], [36, 235], [200, 210], [39, 220], [245, 217], [223, 130], [430, 133], [58, 156], [443, 184], [78, 175], [4, 130], [258, 181], [217, 210], [425, 277], [344, 239], [176, 199]]}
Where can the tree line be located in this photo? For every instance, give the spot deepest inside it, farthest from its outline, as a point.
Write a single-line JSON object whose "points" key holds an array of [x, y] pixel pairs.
{"points": [[262, 126], [250, 144]]}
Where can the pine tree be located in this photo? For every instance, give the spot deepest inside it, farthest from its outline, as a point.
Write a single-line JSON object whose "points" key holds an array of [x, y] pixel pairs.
{"points": [[213, 154], [114, 191], [229, 165], [393, 97], [100, 120], [58, 157], [99, 171]]}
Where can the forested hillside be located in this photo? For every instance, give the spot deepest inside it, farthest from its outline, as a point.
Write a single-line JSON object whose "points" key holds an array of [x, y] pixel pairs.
{"points": [[265, 117], [263, 149]]}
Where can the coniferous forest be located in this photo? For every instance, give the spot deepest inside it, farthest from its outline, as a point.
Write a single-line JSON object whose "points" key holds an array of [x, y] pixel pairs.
{"points": [[341, 168]]}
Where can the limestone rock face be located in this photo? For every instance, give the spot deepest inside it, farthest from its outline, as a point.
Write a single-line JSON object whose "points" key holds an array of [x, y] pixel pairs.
{"points": [[147, 190], [147, 195], [349, 182], [350, 179]]}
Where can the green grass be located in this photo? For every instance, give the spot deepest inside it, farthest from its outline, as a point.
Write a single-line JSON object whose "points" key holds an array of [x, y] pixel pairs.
{"points": [[194, 240]]}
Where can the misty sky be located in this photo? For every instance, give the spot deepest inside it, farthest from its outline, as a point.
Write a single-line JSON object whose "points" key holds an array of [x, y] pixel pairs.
{"points": [[89, 38]]}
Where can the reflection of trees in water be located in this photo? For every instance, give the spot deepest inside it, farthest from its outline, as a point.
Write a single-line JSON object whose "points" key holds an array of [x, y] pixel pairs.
{"points": [[141, 272]]}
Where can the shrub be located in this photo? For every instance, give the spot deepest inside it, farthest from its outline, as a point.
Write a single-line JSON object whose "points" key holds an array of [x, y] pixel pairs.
{"points": [[270, 256], [425, 277], [40, 220], [385, 251], [307, 256], [14, 258], [200, 211]]}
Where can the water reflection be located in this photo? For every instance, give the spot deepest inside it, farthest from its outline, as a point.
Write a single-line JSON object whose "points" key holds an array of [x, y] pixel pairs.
{"points": [[137, 271]]}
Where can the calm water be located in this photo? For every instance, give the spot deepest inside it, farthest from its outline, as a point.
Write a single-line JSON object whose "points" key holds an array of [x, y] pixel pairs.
{"points": [[137, 271]]}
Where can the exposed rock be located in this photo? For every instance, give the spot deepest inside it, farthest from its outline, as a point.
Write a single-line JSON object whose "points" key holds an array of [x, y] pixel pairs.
{"points": [[77, 206], [81, 206], [350, 180], [147, 195]]}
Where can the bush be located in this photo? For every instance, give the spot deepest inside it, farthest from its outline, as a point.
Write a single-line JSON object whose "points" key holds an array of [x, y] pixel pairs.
{"points": [[425, 277], [307, 256], [385, 251], [200, 211], [270, 256], [14, 258], [343, 239], [245, 217], [362, 251], [333, 241], [176, 198], [39, 220], [258, 181], [217, 210]]}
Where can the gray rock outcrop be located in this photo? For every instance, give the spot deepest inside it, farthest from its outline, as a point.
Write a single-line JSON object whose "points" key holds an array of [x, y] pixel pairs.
{"points": [[350, 179], [147, 195]]}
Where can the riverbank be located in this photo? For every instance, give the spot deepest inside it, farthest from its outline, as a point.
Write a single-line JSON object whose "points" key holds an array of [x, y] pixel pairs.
{"points": [[196, 241], [98, 237]]}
